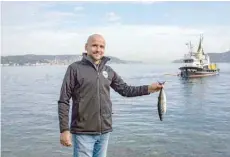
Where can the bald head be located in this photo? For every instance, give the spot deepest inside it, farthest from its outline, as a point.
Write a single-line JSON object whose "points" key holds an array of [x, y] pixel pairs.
{"points": [[95, 37], [95, 46]]}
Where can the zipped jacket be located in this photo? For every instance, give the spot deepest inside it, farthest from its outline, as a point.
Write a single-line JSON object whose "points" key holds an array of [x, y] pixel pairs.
{"points": [[89, 88]]}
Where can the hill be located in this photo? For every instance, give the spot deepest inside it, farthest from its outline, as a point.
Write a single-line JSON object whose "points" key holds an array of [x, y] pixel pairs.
{"points": [[215, 57], [31, 59]]}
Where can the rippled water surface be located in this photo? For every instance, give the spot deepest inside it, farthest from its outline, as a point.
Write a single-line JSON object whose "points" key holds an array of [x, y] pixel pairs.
{"points": [[197, 123]]}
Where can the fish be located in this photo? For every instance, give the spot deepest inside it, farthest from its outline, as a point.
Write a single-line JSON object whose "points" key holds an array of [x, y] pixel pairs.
{"points": [[161, 105]]}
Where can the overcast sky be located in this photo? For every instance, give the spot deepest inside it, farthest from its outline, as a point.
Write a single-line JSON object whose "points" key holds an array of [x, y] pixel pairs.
{"points": [[133, 30]]}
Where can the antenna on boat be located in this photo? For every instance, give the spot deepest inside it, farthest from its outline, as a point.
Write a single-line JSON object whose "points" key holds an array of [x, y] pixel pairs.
{"points": [[190, 47]]}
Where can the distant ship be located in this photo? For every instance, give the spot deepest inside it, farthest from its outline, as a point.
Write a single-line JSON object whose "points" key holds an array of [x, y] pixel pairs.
{"points": [[197, 64]]}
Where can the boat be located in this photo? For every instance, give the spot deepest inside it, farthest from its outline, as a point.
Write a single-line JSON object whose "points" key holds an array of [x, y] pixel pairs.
{"points": [[197, 64]]}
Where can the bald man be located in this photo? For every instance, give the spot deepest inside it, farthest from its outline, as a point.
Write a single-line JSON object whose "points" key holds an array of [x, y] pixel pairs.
{"points": [[88, 83]]}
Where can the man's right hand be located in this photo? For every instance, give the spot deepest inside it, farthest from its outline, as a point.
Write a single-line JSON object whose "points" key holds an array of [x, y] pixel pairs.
{"points": [[65, 139]]}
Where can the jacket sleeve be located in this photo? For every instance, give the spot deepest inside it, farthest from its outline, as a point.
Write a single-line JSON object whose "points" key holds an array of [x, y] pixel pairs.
{"points": [[65, 96], [123, 89]]}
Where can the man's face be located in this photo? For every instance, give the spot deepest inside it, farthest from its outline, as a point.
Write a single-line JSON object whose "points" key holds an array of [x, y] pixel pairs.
{"points": [[95, 47]]}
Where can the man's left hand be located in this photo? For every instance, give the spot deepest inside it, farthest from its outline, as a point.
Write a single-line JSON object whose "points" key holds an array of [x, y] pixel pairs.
{"points": [[155, 87]]}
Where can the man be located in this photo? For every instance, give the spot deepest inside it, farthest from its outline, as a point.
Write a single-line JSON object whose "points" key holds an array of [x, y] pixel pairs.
{"points": [[88, 83]]}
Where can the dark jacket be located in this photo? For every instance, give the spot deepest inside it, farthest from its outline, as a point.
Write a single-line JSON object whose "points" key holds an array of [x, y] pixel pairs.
{"points": [[89, 88]]}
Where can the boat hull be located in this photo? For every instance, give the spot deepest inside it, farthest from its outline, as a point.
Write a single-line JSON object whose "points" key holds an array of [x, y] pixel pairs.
{"points": [[201, 75], [188, 72]]}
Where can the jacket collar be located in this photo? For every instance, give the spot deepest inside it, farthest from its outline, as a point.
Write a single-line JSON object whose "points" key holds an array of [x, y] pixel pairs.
{"points": [[86, 58], [89, 60]]}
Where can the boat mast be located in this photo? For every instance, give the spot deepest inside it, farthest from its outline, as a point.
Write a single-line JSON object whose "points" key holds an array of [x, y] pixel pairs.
{"points": [[200, 51]]}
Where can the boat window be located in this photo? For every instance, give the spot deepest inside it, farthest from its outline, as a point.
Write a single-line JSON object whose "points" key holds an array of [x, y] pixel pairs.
{"points": [[188, 60]]}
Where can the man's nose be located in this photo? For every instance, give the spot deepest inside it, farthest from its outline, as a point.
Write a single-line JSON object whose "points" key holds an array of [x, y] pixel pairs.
{"points": [[98, 48]]}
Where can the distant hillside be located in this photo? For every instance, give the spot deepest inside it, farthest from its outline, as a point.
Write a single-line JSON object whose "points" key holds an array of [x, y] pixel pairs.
{"points": [[215, 57], [220, 57], [31, 59]]}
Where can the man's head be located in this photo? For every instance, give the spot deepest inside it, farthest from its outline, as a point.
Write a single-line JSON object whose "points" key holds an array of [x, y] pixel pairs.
{"points": [[95, 47]]}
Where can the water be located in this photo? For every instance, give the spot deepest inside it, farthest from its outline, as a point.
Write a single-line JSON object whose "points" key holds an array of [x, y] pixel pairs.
{"points": [[197, 123]]}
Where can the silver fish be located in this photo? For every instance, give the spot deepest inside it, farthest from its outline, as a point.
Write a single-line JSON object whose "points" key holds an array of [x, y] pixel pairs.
{"points": [[161, 104]]}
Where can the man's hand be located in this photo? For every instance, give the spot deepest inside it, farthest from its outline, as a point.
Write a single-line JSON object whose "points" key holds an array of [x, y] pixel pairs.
{"points": [[65, 139], [155, 87]]}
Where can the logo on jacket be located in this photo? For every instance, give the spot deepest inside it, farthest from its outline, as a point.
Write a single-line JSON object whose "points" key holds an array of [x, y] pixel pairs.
{"points": [[105, 74]]}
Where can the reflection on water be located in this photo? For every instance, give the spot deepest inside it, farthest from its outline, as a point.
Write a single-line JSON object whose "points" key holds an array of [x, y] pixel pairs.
{"points": [[196, 122]]}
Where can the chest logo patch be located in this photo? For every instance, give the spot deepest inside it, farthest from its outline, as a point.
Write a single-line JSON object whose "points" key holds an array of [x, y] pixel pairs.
{"points": [[105, 74]]}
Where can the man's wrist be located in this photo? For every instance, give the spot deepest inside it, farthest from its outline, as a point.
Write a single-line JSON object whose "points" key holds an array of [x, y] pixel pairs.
{"points": [[150, 89], [64, 130]]}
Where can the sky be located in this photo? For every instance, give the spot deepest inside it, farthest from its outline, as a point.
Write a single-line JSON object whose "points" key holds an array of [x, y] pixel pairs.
{"points": [[150, 31]]}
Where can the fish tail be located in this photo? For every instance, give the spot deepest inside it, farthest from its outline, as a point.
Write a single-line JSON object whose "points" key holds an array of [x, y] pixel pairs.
{"points": [[161, 83]]}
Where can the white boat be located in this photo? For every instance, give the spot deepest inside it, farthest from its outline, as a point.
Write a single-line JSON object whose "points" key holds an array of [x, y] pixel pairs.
{"points": [[197, 64]]}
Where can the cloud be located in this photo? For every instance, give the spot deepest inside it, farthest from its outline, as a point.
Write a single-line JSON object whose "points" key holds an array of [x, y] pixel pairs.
{"points": [[136, 42], [19, 13], [147, 2], [40, 28], [112, 17], [33, 15], [78, 8], [58, 14], [59, 17]]}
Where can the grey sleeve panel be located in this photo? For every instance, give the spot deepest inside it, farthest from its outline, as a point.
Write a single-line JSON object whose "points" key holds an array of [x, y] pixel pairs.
{"points": [[123, 89], [65, 96]]}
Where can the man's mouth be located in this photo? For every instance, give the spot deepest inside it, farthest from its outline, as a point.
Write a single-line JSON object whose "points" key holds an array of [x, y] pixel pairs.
{"points": [[96, 53]]}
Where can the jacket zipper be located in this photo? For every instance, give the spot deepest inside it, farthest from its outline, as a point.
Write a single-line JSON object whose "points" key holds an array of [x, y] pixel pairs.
{"points": [[98, 95], [99, 98]]}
